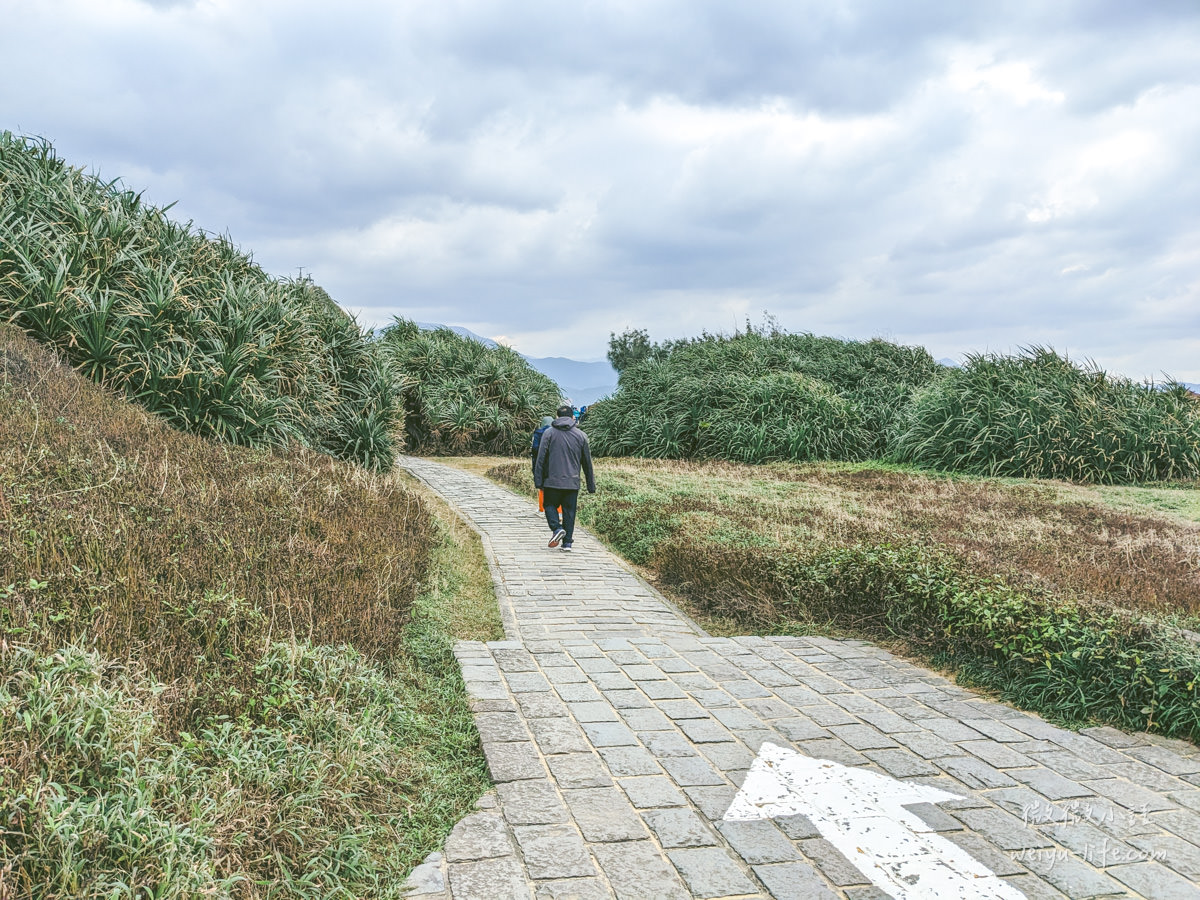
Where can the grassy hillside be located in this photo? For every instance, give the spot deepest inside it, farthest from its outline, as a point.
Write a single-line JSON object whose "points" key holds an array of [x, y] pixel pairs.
{"points": [[183, 323], [463, 397], [223, 670], [1065, 598]]}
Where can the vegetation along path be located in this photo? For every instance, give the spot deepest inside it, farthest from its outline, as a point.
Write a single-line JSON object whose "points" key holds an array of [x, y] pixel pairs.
{"points": [[635, 756]]}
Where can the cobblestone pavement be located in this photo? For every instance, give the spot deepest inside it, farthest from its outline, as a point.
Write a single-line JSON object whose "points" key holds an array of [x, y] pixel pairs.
{"points": [[618, 735]]}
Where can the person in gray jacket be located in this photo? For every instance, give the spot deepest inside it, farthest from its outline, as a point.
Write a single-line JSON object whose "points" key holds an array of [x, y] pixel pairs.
{"points": [[562, 451]]}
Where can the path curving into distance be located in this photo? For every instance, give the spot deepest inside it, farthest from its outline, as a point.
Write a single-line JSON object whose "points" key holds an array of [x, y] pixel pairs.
{"points": [[636, 757]]}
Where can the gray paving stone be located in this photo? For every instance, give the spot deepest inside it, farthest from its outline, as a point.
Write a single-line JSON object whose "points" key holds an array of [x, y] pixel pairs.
{"points": [[797, 827], [661, 690], [609, 734], [934, 817], [682, 709], [928, 745], [704, 731], [553, 851], [1153, 883], [690, 771], [495, 879], [578, 770], [597, 711], [649, 791], [974, 772], [1075, 879], [711, 872], [513, 761], [800, 729], [996, 754], [758, 842], [536, 706], [827, 716], [1129, 795], [727, 757], [637, 871], [630, 761], [1004, 830], [577, 693], [572, 889], [1051, 784], [498, 726], [830, 862], [1181, 855], [612, 681], [862, 737], [1182, 822], [604, 815], [900, 763], [1001, 864], [531, 803], [666, 743], [558, 736], [833, 749], [427, 879], [1170, 762], [712, 800], [679, 827], [794, 881]]}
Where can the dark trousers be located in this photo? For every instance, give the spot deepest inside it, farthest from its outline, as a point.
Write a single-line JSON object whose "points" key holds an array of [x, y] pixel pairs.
{"points": [[567, 499]]}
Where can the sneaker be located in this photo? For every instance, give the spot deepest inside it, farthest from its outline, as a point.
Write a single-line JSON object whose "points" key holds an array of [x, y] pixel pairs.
{"points": [[566, 548], [556, 538]]}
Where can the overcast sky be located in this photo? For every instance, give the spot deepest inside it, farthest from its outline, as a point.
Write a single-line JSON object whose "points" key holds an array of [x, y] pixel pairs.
{"points": [[962, 175]]}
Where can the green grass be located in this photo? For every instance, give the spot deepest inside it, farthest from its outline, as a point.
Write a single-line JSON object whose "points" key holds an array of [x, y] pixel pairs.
{"points": [[224, 671], [1039, 590]]}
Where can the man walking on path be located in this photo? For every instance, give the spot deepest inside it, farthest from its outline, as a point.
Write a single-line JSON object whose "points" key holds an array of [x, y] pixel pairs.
{"points": [[563, 449]]}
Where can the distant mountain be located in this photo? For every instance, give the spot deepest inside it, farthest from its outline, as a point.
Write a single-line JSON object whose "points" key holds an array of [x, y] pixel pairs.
{"points": [[947, 361], [581, 382], [1194, 388]]}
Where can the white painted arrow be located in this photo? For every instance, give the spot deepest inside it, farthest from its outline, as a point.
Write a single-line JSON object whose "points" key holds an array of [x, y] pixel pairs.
{"points": [[862, 814]]}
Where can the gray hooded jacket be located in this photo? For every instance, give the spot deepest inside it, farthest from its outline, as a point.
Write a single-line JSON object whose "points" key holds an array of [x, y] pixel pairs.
{"points": [[564, 448]]}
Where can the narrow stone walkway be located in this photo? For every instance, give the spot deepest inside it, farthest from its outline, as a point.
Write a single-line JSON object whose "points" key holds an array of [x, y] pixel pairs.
{"points": [[636, 757]]}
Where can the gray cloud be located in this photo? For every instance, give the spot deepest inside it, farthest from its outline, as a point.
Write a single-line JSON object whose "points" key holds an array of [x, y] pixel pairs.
{"points": [[966, 176]]}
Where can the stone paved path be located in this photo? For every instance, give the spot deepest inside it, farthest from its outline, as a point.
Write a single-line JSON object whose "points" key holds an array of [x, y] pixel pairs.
{"points": [[618, 734]]}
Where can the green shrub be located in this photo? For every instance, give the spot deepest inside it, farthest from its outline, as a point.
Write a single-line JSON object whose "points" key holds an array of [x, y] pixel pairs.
{"points": [[1039, 415], [462, 397], [182, 323], [759, 397], [1080, 663]]}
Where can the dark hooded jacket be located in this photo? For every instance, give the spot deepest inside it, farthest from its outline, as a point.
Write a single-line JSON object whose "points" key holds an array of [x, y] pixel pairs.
{"points": [[564, 448]]}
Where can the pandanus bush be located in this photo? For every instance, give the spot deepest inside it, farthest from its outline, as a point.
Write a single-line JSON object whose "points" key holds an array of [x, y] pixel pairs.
{"points": [[184, 323], [462, 397], [760, 396], [1040, 415]]}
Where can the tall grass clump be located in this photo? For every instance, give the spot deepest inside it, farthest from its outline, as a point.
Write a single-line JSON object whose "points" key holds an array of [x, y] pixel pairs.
{"points": [[183, 323], [1040, 415], [761, 396], [462, 397]]}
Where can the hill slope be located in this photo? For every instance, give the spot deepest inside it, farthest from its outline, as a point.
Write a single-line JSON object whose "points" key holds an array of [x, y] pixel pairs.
{"points": [[234, 664]]}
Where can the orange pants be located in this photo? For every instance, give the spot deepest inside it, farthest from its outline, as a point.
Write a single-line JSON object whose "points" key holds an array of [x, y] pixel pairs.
{"points": [[542, 502]]}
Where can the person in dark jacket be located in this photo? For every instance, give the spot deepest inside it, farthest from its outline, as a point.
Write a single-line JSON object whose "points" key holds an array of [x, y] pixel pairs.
{"points": [[563, 450], [547, 421]]}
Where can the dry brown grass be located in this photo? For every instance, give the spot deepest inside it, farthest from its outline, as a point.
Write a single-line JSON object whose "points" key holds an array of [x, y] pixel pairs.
{"points": [[150, 543], [721, 517]]}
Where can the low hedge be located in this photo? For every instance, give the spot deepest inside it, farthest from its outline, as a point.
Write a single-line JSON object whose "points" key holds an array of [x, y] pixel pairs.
{"points": [[1075, 662]]}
